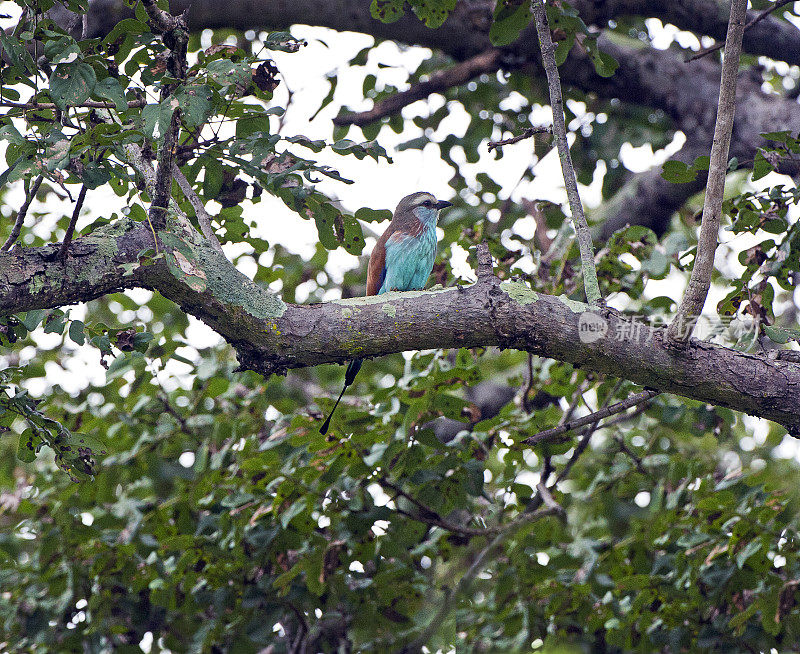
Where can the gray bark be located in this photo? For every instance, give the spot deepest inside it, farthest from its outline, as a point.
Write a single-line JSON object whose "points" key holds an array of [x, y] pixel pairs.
{"points": [[273, 337]]}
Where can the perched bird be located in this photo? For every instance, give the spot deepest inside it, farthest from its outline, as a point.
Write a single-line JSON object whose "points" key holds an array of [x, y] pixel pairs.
{"points": [[402, 259]]}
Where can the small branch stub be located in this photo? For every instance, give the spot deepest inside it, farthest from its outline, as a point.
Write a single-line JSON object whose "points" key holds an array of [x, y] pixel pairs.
{"points": [[485, 269], [528, 133]]}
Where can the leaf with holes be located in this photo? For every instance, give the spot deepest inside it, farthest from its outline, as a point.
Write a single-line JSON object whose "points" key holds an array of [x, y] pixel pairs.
{"points": [[72, 84]]}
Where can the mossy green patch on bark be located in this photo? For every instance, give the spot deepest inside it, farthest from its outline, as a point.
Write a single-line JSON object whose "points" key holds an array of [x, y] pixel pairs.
{"points": [[573, 305], [519, 292], [386, 297], [222, 279]]}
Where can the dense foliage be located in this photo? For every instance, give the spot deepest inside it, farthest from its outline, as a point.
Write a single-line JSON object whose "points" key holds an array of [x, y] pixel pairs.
{"points": [[179, 504]]}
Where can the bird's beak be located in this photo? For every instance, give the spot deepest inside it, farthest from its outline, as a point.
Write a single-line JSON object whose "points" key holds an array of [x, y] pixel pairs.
{"points": [[443, 204]]}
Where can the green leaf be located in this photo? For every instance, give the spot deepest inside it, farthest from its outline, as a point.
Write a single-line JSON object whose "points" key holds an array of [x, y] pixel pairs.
{"points": [[212, 182], [386, 11], [747, 551], [761, 167], [33, 318], [510, 18], [678, 172], [332, 81], [604, 63], [76, 332], [194, 101], [72, 84], [433, 12], [781, 335], [228, 73], [373, 215], [26, 449], [17, 53], [111, 90], [252, 124]]}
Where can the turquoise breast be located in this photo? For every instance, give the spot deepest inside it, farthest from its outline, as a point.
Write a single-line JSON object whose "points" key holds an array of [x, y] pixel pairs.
{"points": [[409, 260]]}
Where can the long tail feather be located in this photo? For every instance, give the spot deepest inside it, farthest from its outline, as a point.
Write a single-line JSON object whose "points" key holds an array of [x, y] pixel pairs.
{"points": [[349, 377]]}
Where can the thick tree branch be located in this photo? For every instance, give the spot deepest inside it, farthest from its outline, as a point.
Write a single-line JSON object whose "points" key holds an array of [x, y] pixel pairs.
{"points": [[465, 31], [582, 232], [271, 336], [750, 23], [700, 281], [485, 62]]}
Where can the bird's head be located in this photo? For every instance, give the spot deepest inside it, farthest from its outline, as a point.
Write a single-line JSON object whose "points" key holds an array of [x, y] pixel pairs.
{"points": [[422, 205]]}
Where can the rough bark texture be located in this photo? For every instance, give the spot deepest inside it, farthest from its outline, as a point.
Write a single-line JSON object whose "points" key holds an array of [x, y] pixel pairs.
{"points": [[272, 337]]}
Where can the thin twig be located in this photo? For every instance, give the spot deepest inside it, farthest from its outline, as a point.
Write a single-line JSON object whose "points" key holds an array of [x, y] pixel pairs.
{"points": [[680, 329], [23, 210], [62, 252], [203, 216], [89, 104], [485, 62], [543, 241], [753, 21], [553, 433], [583, 443], [626, 450], [582, 232], [531, 131]]}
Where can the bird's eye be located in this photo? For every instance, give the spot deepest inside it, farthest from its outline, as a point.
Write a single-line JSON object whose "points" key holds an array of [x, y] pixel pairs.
{"points": [[427, 203]]}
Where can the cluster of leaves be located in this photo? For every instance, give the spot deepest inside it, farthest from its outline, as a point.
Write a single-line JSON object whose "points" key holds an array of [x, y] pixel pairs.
{"points": [[219, 518], [272, 533]]}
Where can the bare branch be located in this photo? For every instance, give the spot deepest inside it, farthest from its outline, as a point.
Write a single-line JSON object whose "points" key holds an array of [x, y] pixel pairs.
{"points": [[23, 211], [176, 37], [203, 216], [89, 104], [485, 62], [582, 232], [753, 21], [430, 517], [680, 329], [619, 407], [531, 131], [271, 336], [161, 21], [163, 182], [62, 253]]}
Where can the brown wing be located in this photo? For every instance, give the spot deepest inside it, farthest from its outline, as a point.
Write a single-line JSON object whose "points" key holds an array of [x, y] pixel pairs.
{"points": [[377, 262]]}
